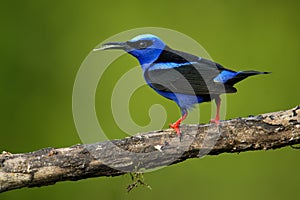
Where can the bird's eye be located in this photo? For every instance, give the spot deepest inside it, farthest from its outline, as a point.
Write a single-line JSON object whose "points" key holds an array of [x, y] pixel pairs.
{"points": [[142, 44]]}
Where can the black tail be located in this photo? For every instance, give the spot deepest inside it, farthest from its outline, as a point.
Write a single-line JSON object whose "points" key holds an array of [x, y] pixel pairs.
{"points": [[242, 75]]}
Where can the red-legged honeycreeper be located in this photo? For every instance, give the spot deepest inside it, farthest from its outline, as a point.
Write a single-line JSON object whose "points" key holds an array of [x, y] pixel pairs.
{"points": [[181, 77]]}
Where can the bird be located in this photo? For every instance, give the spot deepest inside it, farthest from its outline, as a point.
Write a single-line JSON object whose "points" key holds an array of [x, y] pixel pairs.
{"points": [[181, 77]]}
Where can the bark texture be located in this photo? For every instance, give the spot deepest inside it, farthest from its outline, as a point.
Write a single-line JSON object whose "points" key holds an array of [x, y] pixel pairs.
{"points": [[148, 150]]}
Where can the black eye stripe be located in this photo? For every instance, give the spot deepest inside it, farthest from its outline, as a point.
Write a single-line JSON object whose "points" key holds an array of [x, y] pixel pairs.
{"points": [[141, 44]]}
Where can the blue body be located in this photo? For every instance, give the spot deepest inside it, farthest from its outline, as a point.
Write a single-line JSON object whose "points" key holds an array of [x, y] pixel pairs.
{"points": [[148, 56], [161, 66]]}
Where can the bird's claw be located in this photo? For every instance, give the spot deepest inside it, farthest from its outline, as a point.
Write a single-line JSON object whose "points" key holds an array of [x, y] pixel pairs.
{"points": [[215, 121], [175, 126]]}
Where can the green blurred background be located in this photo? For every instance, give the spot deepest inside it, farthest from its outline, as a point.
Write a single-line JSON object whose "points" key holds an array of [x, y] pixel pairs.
{"points": [[43, 44]]}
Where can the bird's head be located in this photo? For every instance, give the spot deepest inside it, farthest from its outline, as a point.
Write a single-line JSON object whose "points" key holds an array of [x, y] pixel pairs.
{"points": [[146, 48]]}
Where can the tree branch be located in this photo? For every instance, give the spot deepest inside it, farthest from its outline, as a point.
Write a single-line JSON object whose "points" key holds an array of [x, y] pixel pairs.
{"points": [[148, 150]]}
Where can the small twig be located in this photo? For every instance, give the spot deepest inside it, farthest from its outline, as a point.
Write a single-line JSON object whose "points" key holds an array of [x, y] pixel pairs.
{"points": [[138, 179]]}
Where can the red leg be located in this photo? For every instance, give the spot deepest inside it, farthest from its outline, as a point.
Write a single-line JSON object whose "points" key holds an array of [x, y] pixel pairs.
{"points": [[217, 118], [176, 124]]}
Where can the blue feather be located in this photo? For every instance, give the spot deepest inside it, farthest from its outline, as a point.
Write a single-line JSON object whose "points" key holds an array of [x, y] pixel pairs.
{"points": [[184, 101], [168, 65], [225, 75]]}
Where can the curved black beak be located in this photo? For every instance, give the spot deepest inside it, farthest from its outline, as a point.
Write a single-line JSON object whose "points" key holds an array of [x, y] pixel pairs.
{"points": [[112, 45]]}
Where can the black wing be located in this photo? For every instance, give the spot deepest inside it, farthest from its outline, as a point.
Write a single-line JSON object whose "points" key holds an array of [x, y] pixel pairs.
{"points": [[196, 78]]}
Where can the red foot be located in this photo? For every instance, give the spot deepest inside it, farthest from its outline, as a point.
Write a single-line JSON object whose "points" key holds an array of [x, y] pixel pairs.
{"points": [[215, 121], [217, 118], [176, 125]]}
